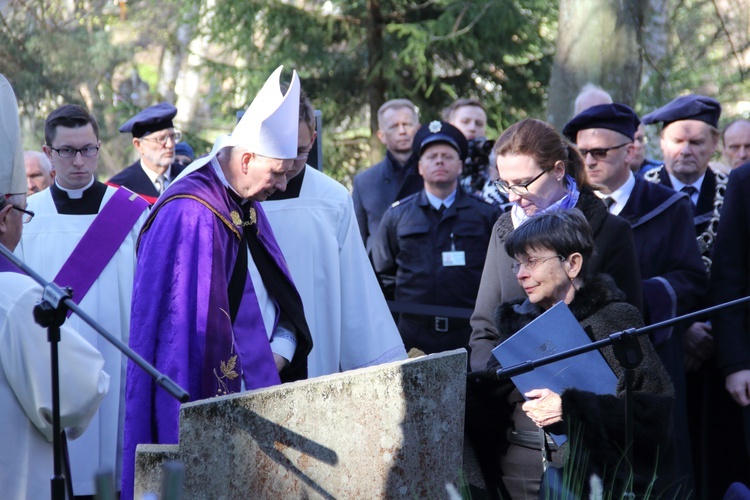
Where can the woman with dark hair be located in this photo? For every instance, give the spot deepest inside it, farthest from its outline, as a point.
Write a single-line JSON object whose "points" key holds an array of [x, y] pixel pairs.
{"points": [[542, 172], [550, 254]]}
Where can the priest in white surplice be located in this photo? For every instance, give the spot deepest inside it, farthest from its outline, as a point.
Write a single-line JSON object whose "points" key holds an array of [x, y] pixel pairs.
{"points": [[315, 226], [26, 464], [83, 236]]}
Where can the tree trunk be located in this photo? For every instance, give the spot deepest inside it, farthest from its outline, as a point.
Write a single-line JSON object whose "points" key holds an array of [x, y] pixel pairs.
{"points": [[597, 42], [375, 80]]}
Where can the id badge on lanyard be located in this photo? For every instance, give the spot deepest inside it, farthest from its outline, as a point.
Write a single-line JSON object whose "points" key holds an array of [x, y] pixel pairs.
{"points": [[454, 257]]}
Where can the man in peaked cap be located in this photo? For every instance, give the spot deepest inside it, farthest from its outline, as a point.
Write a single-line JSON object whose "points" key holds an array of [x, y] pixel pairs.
{"points": [[214, 306], [25, 379], [431, 246], [674, 277], [154, 137], [83, 236]]}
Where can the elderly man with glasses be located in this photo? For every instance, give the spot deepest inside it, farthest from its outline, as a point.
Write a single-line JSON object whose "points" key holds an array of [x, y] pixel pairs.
{"points": [[154, 138], [83, 235], [674, 277]]}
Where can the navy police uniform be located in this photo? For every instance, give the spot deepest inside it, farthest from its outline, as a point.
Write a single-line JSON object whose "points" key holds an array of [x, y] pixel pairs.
{"points": [[427, 256]]}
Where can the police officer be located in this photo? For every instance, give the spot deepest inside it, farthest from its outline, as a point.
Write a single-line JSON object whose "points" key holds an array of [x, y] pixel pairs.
{"points": [[431, 246], [154, 137]]}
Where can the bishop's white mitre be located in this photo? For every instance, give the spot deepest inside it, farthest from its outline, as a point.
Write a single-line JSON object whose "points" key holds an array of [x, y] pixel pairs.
{"points": [[12, 169]]}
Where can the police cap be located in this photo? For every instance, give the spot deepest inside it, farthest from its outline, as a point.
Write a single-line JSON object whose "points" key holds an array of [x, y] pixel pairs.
{"points": [[438, 132]]}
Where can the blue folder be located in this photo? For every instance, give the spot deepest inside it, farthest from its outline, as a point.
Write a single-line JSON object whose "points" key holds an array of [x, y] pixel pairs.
{"points": [[554, 331]]}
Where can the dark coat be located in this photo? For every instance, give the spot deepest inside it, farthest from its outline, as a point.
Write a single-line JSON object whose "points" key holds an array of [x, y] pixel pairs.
{"points": [[674, 276], [615, 255], [408, 251], [600, 306], [730, 276], [377, 188], [709, 203], [135, 179]]}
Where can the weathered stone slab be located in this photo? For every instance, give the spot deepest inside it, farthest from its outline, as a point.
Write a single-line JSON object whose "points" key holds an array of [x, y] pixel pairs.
{"points": [[388, 431]]}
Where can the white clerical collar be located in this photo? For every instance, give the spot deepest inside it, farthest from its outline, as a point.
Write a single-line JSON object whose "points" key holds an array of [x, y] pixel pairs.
{"points": [[436, 202], [620, 195], [153, 175], [75, 194], [217, 168]]}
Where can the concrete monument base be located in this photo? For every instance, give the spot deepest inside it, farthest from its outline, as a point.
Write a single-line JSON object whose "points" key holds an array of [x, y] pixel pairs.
{"points": [[388, 431]]}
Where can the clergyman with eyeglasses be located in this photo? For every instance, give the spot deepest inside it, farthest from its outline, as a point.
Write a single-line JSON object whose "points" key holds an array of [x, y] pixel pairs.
{"points": [[154, 138], [83, 235]]}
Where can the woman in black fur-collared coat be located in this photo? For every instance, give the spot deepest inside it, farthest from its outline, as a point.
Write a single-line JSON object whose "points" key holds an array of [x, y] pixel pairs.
{"points": [[551, 252]]}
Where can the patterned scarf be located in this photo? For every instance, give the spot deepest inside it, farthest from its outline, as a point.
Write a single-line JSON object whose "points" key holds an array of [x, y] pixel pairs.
{"points": [[518, 216]]}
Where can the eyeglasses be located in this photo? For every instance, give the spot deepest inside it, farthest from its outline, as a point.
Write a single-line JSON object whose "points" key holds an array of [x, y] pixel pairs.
{"points": [[302, 157], [519, 189], [532, 262], [600, 153], [87, 152], [27, 214], [164, 139]]}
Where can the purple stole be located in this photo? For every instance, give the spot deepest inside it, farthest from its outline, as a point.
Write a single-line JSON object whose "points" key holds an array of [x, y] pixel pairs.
{"points": [[100, 242], [7, 266]]}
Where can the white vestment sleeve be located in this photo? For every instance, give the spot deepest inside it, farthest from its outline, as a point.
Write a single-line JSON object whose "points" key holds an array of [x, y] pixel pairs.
{"points": [[25, 357]]}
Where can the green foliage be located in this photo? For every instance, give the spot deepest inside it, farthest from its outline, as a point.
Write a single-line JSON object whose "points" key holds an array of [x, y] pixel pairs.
{"points": [[431, 53]]}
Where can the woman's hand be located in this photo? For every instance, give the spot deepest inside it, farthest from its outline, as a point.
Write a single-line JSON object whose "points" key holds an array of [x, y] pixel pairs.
{"points": [[544, 407]]}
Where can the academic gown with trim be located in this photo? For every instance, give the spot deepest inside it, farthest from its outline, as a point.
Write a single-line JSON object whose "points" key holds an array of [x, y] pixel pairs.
{"points": [[46, 243], [26, 463], [180, 312], [135, 179], [349, 319]]}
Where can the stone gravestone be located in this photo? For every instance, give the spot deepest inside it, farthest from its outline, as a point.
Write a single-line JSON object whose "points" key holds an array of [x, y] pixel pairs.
{"points": [[388, 431]]}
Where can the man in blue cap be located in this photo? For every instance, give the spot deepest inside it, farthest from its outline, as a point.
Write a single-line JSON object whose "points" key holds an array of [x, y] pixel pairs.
{"points": [[689, 137], [154, 137], [674, 277], [431, 246]]}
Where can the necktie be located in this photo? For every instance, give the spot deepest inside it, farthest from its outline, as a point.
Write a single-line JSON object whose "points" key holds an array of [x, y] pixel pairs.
{"points": [[161, 183], [609, 201], [441, 209], [690, 190]]}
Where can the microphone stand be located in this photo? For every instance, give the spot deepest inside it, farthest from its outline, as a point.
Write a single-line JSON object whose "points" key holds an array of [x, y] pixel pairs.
{"points": [[628, 352], [50, 313]]}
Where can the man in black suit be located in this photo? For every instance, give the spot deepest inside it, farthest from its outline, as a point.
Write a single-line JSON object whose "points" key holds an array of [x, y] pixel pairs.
{"points": [[154, 137], [730, 279], [396, 176]]}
